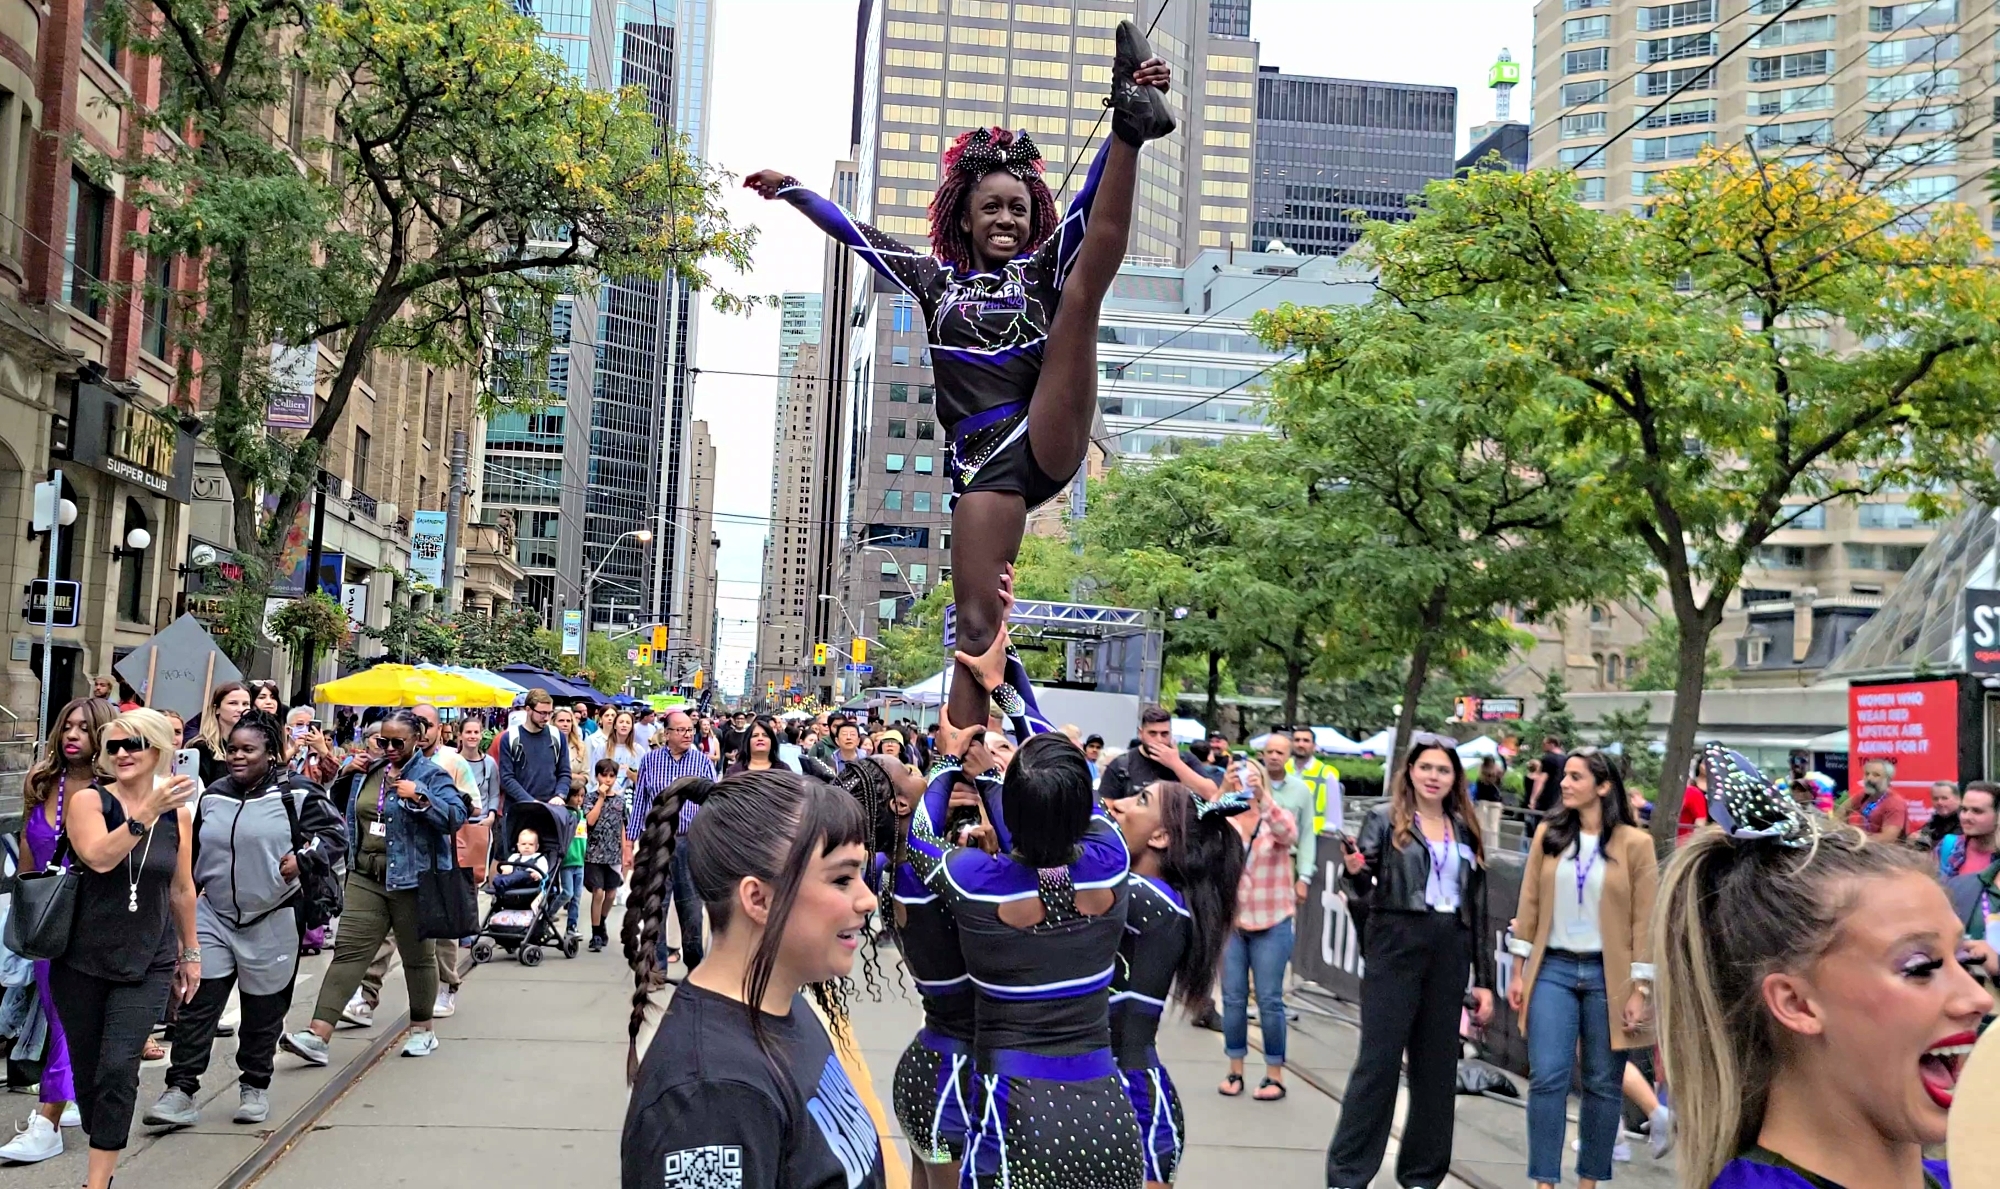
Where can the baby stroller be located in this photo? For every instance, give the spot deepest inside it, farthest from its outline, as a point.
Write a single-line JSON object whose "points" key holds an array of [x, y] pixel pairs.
{"points": [[521, 920]]}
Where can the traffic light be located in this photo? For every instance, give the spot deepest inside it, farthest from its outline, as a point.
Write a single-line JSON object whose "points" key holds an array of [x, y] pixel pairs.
{"points": [[698, 674], [819, 656], [770, 689], [645, 654], [788, 681], [660, 638], [858, 651]]}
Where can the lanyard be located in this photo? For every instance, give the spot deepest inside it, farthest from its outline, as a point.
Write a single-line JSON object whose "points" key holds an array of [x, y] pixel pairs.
{"points": [[1583, 865], [1440, 855], [382, 794], [62, 795]]}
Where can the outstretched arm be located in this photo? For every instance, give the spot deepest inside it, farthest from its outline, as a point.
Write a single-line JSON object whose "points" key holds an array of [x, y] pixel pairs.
{"points": [[887, 255]]}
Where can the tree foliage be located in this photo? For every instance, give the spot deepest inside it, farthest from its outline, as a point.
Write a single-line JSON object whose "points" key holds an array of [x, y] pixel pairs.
{"points": [[1654, 664], [1772, 338], [450, 179]]}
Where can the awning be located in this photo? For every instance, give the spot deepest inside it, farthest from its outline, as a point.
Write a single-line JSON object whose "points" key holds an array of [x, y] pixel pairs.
{"points": [[1831, 741], [561, 688]]}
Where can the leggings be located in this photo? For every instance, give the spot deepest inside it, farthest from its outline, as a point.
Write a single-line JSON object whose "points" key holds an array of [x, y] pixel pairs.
{"points": [[373, 912], [110, 1022], [58, 1085], [936, 1095]]}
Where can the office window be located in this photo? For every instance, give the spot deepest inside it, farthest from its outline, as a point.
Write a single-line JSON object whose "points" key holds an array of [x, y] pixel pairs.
{"points": [[1796, 32], [1673, 16], [1590, 190], [85, 251], [919, 572], [902, 315], [1586, 61], [1924, 84], [1810, 519], [926, 431], [1590, 123], [1674, 115], [899, 355], [1929, 48], [899, 428], [1791, 99], [914, 30], [1588, 91], [1888, 516], [920, 501], [1813, 62], [885, 610], [1676, 49], [1890, 17], [158, 308], [1026, 68], [899, 393], [925, 394], [1668, 82], [892, 500], [1586, 29], [925, 464], [977, 64], [1671, 148], [94, 32], [1590, 155], [892, 463], [358, 475]]}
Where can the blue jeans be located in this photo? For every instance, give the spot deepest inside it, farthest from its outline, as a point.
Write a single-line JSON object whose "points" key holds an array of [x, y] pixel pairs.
{"points": [[1568, 1011], [1263, 955], [688, 906], [572, 886]]}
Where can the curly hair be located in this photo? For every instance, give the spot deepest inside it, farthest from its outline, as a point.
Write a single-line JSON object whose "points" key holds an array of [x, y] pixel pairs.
{"points": [[948, 242], [871, 784]]}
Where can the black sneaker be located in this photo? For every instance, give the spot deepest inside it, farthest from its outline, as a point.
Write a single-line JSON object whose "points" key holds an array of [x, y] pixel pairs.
{"points": [[596, 942], [1138, 114]]}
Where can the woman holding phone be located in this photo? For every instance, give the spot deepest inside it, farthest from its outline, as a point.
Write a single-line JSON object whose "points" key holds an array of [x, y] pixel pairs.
{"points": [[133, 941], [1260, 945]]}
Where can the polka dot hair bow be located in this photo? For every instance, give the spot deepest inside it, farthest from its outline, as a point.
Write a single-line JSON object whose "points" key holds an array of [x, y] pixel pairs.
{"points": [[1748, 807], [1228, 805], [981, 155]]}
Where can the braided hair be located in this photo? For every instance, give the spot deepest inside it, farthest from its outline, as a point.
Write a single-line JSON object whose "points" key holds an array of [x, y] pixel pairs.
{"points": [[968, 159], [262, 722], [768, 825], [870, 784]]}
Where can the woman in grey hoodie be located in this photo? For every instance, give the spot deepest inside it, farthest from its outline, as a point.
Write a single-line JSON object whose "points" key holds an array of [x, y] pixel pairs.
{"points": [[257, 831]]}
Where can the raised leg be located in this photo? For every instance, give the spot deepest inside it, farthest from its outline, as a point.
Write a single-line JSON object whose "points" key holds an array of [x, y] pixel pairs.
{"points": [[1065, 399], [986, 529]]}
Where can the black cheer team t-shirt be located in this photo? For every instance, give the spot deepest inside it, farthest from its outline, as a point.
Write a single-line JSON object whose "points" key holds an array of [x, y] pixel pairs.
{"points": [[708, 1111]]}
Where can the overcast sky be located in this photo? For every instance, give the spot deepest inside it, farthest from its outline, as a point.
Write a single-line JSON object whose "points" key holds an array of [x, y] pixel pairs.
{"points": [[781, 93]]}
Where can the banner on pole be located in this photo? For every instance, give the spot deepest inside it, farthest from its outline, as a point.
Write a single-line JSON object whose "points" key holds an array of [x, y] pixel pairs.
{"points": [[572, 633], [427, 546]]}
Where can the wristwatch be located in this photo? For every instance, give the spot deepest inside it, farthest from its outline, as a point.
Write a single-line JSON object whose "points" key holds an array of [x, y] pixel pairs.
{"points": [[138, 829]]}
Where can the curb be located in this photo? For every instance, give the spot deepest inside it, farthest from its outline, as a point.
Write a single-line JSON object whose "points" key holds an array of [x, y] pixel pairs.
{"points": [[302, 1121]]}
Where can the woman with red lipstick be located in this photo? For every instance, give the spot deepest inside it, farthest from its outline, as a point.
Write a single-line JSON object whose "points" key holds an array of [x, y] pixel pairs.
{"points": [[1815, 1005]]}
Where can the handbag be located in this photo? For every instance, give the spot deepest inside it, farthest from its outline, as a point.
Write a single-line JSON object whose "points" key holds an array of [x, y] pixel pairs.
{"points": [[447, 905], [44, 905]]}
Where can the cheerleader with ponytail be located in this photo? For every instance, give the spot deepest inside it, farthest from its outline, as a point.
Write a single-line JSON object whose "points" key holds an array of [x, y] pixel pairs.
{"points": [[1186, 861], [742, 1082], [1010, 299]]}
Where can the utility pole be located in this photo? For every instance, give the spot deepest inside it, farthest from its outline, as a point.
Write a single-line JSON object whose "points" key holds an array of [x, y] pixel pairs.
{"points": [[302, 696], [454, 502], [50, 518]]}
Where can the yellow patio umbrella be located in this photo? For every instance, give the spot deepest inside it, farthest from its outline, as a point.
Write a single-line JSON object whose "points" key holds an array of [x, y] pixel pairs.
{"points": [[406, 685]]}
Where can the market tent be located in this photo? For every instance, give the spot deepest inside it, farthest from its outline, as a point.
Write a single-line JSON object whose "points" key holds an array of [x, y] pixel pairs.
{"points": [[929, 691], [1325, 739], [794, 716], [406, 685], [1478, 749], [1377, 744], [560, 688], [483, 676], [1188, 730]]}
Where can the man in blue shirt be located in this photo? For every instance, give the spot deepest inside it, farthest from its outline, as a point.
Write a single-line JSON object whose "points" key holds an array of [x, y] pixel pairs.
{"points": [[675, 759]]}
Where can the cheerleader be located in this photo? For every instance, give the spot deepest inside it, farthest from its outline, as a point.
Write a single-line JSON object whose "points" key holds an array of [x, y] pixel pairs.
{"points": [[1186, 861], [1010, 296]]}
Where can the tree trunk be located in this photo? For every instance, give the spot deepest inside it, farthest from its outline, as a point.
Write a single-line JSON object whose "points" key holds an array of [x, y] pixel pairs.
{"points": [[1214, 688], [1690, 675], [1295, 674], [1413, 683]]}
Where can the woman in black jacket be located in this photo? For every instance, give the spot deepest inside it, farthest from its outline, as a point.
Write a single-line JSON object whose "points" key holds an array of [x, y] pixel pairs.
{"points": [[1419, 866]]}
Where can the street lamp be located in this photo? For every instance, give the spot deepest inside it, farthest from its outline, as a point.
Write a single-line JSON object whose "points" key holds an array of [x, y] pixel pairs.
{"points": [[643, 536]]}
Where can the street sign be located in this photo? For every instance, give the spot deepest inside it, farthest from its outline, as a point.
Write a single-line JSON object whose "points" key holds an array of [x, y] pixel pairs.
{"points": [[354, 600], [632, 654], [660, 638], [184, 664], [572, 633], [860, 668], [64, 603], [1982, 631]]}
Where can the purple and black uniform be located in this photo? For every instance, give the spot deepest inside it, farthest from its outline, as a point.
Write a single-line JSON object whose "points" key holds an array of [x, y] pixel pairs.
{"points": [[1158, 931], [934, 1088], [987, 331]]}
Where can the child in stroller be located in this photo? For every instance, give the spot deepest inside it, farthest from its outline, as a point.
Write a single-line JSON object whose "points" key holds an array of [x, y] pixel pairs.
{"points": [[528, 897]]}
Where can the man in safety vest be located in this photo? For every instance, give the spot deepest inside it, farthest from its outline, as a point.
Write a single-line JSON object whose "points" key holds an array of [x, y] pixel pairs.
{"points": [[1319, 776]]}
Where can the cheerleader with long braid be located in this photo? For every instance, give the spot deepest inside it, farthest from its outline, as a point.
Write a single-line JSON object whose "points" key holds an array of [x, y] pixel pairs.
{"points": [[1186, 861], [1011, 296]]}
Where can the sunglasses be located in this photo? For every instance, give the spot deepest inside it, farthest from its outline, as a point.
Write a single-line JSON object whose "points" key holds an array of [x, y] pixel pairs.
{"points": [[125, 746], [398, 744]]}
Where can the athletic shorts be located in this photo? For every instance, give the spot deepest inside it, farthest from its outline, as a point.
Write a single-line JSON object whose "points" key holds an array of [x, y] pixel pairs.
{"points": [[601, 877], [995, 456]]}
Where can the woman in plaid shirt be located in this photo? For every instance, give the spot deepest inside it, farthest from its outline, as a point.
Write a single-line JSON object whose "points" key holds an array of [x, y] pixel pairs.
{"points": [[1262, 942]]}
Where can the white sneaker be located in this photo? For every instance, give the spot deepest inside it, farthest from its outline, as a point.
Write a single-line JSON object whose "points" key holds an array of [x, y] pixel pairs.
{"points": [[37, 1141], [1660, 1134], [422, 1043], [446, 1004], [358, 1012], [618, 897], [71, 1116]]}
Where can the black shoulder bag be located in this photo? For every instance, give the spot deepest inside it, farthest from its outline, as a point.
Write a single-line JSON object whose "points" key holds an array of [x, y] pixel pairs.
{"points": [[43, 912]]}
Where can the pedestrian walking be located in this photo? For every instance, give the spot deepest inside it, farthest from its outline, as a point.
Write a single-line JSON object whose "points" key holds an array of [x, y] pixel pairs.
{"points": [[401, 817], [760, 748], [260, 833], [471, 734], [132, 945], [618, 743], [226, 704], [741, 1084], [1419, 863], [675, 759], [1260, 945], [1815, 1002], [604, 820], [1583, 973], [533, 759], [69, 762], [576, 749]]}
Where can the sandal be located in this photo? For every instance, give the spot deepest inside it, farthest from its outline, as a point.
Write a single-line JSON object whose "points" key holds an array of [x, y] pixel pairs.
{"points": [[1270, 1084], [1231, 1087], [154, 1051]]}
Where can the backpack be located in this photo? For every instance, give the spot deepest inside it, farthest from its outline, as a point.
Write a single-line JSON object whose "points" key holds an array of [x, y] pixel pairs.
{"points": [[517, 750], [322, 884]]}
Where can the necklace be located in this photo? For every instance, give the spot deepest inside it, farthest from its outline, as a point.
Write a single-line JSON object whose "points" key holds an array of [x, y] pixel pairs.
{"points": [[131, 878]]}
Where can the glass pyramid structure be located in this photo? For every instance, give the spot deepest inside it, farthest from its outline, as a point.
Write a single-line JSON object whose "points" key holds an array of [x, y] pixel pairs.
{"points": [[1918, 628]]}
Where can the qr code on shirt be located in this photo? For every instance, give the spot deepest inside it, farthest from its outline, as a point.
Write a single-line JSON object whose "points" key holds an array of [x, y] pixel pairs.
{"points": [[713, 1167]]}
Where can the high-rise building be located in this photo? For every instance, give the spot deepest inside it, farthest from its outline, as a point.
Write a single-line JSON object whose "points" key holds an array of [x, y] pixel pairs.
{"points": [[789, 590], [1896, 90], [694, 629], [798, 324], [1229, 18], [1327, 147]]}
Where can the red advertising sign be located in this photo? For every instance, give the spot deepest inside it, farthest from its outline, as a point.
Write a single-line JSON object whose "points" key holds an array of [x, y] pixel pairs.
{"points": [[1913, 723]]}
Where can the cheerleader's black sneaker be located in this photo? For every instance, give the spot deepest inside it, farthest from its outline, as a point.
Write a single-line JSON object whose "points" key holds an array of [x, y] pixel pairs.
{"points": [[1138, 113]]}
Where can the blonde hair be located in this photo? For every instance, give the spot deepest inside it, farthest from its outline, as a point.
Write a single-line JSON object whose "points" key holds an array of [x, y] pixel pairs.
{"points": [[150, 727], [1729, 914], [211, 720]]}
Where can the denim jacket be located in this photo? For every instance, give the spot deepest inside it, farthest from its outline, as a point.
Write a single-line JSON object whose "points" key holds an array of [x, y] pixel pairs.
{"points": [[419, 839]]}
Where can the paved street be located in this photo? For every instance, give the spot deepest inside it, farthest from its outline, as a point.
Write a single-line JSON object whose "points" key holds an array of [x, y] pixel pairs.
{"points": [[531, 1077]]}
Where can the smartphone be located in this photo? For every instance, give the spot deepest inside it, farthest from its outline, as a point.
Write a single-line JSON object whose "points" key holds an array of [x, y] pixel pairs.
{"points": [[301, 730], [187, 762]]}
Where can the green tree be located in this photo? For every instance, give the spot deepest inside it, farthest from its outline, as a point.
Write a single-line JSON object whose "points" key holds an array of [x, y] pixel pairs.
{"points": [[1773, 337], [1553, 717], [1655, 662], [453, 180], [1630, 731], [910, 649]]}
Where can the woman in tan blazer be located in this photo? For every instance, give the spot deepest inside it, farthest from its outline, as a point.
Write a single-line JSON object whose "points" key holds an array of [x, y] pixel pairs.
{"points": [[1585, 980]]}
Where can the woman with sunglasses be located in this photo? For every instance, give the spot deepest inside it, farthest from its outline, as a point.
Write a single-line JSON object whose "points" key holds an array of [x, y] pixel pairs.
{"points": [[1419, 863], [133, 942], [401, 817]]}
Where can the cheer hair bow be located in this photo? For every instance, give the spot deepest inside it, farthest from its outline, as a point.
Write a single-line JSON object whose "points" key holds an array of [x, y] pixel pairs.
{"points": [[980, 154], [1228, 804], [1749, 808]]}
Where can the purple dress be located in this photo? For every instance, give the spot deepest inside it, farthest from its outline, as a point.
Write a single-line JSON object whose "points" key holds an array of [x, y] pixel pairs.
{"points": [[1761, 1170], [57, 1083]]}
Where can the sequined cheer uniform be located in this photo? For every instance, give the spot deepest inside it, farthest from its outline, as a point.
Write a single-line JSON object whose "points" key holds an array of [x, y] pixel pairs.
{"points": [[1158, 931], [987, 331]]}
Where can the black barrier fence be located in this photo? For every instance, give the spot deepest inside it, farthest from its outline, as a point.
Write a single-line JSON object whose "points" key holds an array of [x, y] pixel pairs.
{"points": [[1329, 946]]}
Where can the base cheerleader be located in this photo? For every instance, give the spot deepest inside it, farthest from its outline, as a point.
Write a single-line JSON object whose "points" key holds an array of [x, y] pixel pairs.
{"points": [[1186, 861]]}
